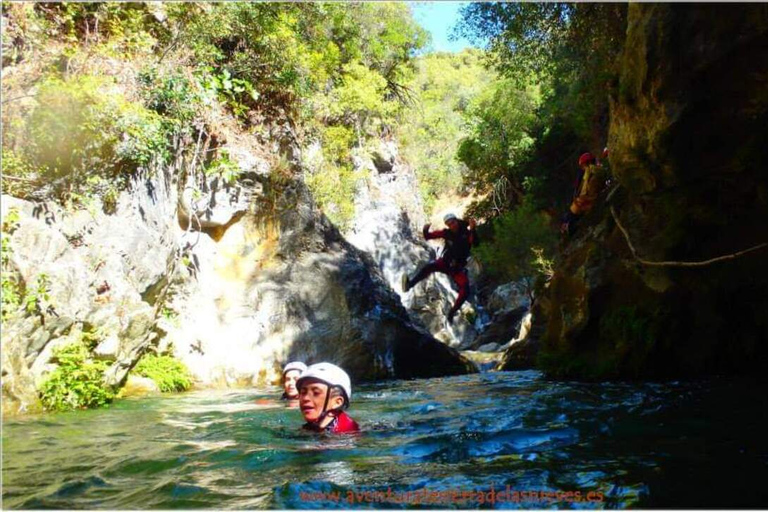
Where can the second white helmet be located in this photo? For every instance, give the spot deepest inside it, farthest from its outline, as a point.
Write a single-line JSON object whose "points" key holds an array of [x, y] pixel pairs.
{"points": [[295, 365], [329, 374]]}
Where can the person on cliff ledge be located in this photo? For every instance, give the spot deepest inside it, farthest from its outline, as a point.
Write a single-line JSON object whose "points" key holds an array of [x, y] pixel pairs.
{"points": [[459, 239], [324, 392], [588, 186], [291, 374]]}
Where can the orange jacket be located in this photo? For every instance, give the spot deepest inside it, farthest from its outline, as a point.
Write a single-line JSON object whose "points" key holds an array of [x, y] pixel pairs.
{"points": [[589, 188]]}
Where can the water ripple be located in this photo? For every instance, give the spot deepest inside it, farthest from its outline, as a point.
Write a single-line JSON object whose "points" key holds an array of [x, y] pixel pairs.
{"points": [[633, 445]]}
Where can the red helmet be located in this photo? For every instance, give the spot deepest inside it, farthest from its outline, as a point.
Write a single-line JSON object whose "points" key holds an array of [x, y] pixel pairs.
{"points": [[586, 158]]}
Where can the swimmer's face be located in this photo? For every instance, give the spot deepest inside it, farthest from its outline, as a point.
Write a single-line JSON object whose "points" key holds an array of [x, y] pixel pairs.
{"points": [[289, 383], [312, 399]]}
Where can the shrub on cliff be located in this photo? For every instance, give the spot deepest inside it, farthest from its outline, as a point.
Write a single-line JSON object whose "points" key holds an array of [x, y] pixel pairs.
{"points": [[168, 373], [77, 382], [521, 246], [82, 138]]}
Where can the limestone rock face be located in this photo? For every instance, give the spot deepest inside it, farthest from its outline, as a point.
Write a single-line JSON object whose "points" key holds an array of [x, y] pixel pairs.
{"points": [[236, 283], [283, 284], [504, 328], [506, 298], [98, 271], [388, 219], [688, 145]]}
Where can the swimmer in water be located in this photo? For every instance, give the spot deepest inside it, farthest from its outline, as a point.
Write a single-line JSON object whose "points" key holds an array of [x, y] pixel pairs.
{"points": [[291, 374], [324, 392]]}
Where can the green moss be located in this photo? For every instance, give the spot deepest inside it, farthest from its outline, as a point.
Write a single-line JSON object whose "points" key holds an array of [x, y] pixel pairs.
{"points": [[84, 135], [633, 334], [334, 190], [620, 347], [10, 280], [77, 382], [168, 373]]}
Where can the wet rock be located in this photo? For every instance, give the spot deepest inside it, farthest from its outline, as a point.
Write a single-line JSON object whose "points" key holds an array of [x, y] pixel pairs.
{"points": [[138, 386], [283, 284], [71, 253], [521, 355], [108, 348], [388, 219], [271, 281], [687, 143], [504, 328], [508, 297], [484, 361], [488, 347]]}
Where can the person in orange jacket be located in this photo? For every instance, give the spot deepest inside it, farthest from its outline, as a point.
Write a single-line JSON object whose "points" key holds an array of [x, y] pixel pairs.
{"points": [[588, 187]]}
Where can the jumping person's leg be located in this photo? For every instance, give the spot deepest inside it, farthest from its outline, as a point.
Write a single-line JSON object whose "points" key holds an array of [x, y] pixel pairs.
{"points": [[423, 273], [462, 280]]}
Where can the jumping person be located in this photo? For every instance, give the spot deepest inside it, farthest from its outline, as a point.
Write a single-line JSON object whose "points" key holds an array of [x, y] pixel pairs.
{"points": [[459, 238], [291, 374], [324, 392]]}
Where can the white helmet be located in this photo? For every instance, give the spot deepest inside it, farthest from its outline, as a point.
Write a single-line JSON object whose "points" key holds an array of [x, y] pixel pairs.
{"points": [[329, 374], [448, 217], [295, 365]]}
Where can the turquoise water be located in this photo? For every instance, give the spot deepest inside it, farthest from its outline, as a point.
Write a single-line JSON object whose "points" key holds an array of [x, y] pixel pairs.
{"points": [[425, 441]]}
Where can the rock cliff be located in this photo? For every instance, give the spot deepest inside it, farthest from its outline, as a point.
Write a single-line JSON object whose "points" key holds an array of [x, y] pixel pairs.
{"points": [[235, 279], [688, 143]]}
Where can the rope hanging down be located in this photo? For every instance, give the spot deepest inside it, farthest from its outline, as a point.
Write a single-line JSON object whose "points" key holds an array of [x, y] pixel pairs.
{"points": [[678, 263]]}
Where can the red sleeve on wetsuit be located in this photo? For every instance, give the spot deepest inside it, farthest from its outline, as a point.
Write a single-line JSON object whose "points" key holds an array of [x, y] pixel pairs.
{"points": [[345, 424], [430, 235]]}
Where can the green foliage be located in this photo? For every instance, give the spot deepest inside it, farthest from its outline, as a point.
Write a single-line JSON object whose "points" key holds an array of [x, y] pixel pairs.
{"points": [[444, 87], [521, 245], [334, 190], [32, 299], [500, 138], [340, 70], [11, 221], [168, 373], [571, 51], [23, 174], [292, 51], [9, 279], [173, 96], [224, 167], [238, 94], [632, 332], [37, 297], [125, 28], [337, 142], [77, 382], [358, 99], [547, 39], [83, 129]]}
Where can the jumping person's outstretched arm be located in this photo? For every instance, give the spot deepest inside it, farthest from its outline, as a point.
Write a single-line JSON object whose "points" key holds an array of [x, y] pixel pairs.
{"points": [[431, 235]]}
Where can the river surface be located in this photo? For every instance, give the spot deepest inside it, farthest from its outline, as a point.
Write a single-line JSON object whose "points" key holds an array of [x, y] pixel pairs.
{"points": [[491, 440]]}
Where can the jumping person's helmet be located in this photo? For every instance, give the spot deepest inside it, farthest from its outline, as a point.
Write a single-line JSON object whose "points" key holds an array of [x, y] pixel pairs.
{"points": [[586, 158], [448, 217], [331, 375], [295, 365]]}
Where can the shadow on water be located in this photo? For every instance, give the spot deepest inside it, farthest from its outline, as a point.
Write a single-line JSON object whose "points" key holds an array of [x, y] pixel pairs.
{"points": [[428, 443]]}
